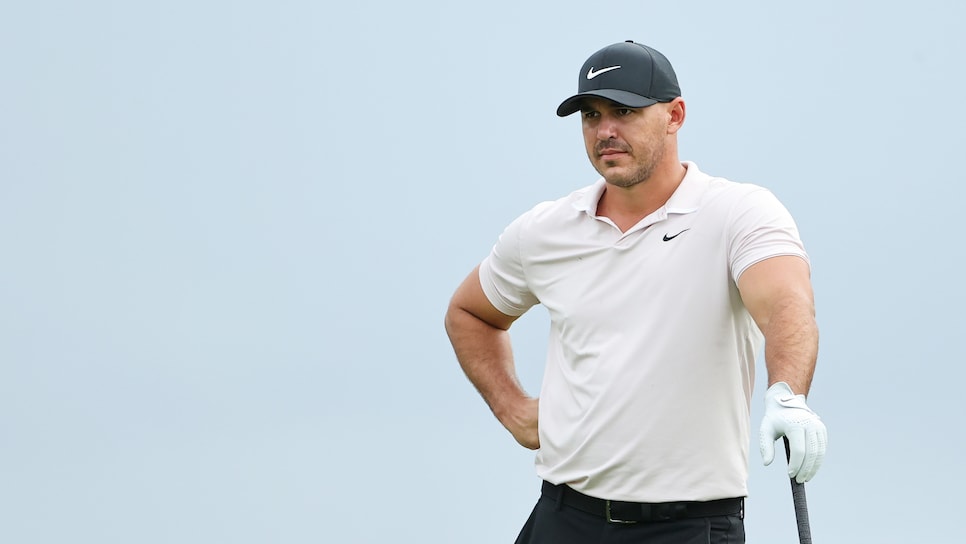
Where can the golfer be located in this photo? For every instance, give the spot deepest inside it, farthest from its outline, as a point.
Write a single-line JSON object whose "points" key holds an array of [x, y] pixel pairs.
{"points": [[662, 283]]}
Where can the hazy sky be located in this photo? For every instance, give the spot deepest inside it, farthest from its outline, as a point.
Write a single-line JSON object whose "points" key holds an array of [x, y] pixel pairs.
{"points": [[229, 232]]}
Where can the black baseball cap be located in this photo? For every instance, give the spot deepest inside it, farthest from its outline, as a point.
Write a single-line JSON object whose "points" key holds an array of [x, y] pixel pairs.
{"points": [[628, 73]]}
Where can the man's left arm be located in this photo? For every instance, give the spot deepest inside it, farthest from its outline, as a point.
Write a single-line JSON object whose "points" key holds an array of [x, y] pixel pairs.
{"points": [[778, 294]]}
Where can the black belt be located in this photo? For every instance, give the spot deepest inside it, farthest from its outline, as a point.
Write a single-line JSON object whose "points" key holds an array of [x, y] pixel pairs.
{"points": [[634, 512]]}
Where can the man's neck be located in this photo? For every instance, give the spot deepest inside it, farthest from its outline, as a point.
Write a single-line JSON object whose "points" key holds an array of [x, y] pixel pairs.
{"points": [[626, 206]]}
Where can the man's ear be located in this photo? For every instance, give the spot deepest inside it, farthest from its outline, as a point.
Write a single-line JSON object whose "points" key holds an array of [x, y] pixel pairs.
{"points": [[676, 114]]}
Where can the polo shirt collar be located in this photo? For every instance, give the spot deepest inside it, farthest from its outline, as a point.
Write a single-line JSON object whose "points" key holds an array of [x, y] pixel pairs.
{"points": [[687, 197], [588, 198]]}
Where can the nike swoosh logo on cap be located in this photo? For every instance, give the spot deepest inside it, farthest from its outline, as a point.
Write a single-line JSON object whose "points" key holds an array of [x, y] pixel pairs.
{"points": [[591, 74]]}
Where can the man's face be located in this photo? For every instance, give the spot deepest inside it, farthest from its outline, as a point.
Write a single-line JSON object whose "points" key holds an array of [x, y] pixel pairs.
{"points": [[624, 144]]}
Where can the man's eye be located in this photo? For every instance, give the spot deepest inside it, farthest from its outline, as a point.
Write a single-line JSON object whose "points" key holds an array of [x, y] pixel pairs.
{"points": [[590, 114], [625, 111]]}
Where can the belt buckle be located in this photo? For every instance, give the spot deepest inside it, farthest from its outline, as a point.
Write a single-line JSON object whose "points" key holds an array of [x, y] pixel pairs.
{"points": [[610, 519]]}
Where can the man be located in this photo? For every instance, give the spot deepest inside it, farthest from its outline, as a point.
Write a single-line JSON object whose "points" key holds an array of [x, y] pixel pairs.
{"points": [[661, 283]]}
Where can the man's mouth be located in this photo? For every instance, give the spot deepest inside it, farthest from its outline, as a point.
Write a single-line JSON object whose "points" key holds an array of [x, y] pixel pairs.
{"points": [[610, 152], [614, 148]]}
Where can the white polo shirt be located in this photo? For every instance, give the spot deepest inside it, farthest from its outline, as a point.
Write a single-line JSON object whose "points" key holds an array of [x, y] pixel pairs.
{"points": [[650, 364]]}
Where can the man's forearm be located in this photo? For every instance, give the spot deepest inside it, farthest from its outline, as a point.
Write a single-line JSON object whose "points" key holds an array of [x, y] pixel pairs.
{"points": [[478, 332], [791, 345], [485, 354]]}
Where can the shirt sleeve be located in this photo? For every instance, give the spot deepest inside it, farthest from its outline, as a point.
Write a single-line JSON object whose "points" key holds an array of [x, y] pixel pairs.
{"points": [[503, 274], [761, 228]]}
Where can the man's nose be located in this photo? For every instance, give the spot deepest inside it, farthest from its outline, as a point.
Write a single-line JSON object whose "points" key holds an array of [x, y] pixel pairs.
{"points": [[606, 128]]}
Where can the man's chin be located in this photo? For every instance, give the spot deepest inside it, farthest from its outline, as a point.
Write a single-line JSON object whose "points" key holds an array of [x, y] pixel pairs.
{"points": [[619, 177], [614, 175], [623, 183]]}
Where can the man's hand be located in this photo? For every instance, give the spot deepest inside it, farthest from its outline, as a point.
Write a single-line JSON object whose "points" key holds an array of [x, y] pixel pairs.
{"points": [[522, 423], [787, 415]]}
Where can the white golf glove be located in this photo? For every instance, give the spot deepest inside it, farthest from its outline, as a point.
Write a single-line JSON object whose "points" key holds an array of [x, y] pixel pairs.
{"points": [[787, 415]]}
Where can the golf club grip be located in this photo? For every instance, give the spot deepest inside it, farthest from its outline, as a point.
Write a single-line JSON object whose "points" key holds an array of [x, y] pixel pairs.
{"points": [[801, 506]]}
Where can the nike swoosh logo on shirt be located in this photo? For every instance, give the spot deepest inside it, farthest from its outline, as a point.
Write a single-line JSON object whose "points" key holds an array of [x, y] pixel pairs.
{"points": [[669, 238], [591, 74]]}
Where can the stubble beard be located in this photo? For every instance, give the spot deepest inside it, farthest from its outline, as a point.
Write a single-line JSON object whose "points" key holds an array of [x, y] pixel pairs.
{"points": [[644, 168]]}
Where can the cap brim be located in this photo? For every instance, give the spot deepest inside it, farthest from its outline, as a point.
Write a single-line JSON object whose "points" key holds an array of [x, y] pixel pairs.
{"points": [[624, 98]]}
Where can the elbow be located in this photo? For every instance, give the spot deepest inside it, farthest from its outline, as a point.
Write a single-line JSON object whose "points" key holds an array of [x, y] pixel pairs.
{"points": [[455, 319], [449, 319]]}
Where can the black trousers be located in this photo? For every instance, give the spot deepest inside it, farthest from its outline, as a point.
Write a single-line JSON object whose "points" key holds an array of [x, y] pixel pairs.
{"points": [[554, 523]]}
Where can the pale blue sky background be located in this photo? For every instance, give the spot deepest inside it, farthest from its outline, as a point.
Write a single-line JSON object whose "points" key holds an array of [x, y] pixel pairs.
{"points": [[229, 231]]}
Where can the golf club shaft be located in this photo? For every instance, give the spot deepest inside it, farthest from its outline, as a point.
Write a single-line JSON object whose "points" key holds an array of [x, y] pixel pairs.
{"points": [[801, 506]]}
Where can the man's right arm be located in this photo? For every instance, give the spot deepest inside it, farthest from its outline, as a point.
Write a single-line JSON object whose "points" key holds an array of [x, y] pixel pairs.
{"points": [[480, 338]]}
